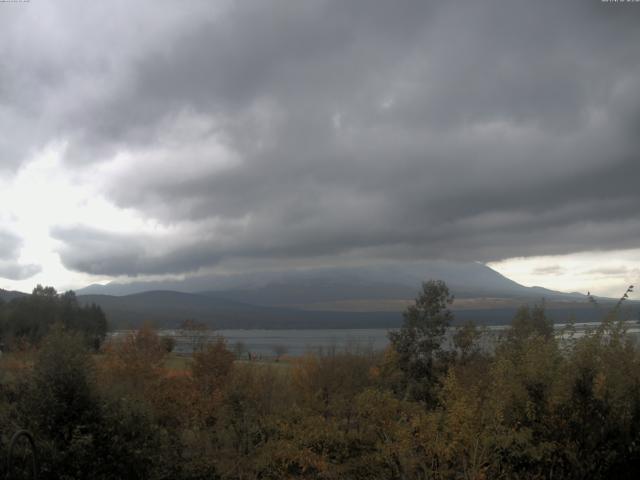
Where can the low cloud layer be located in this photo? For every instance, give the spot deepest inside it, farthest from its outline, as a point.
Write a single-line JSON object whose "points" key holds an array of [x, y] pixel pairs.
{"points": [[9, 252], [277, 130], [9, 245]]}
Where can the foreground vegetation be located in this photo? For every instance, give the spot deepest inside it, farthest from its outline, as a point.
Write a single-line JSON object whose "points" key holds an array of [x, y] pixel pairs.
{"points": [[537, 406]]}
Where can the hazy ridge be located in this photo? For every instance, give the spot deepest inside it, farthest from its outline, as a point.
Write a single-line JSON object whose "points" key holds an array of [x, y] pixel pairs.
{"points": [[339, 297], [354, 297]]}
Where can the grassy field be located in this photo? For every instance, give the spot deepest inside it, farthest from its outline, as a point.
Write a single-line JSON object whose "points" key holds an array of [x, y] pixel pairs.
{"points": [[177, 362], [182, 362]]}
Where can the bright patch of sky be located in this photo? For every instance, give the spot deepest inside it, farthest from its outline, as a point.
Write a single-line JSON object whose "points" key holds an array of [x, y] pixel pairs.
{"points": [[42, 195], [601, 273]]}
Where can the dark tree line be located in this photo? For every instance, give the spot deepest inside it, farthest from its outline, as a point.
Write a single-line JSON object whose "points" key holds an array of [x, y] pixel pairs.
{"points": [[27, 320]]}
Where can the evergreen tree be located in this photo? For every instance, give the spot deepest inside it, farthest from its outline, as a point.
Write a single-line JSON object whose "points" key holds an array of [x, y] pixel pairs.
{"points": [[418, 343]]}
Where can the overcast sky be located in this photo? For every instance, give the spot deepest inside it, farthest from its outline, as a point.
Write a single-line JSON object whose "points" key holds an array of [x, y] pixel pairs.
{"points": [[152, 138]]}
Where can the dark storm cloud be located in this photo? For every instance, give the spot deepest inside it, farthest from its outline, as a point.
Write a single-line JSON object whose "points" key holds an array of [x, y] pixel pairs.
{"points": [[16, 271], [409, 129], [9, 251], [9, 245], [105, 253]]}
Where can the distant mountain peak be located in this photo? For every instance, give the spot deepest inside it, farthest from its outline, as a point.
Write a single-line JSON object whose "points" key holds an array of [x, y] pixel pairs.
{"points": [[399, 280]]}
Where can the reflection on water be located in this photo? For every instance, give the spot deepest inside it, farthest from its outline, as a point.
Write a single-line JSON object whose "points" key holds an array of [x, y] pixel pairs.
{"points": [[269, 343]]}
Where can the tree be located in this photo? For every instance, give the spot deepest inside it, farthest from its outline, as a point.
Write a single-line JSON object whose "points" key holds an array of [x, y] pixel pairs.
{"points": [[168, 343], [279, 351], [61, 405], [29, 318], [239, 348], [530, 321], [62, 383], [211, 365], [418, 342], [195, 334], [466, 341], [135, 359], [44, 292]]}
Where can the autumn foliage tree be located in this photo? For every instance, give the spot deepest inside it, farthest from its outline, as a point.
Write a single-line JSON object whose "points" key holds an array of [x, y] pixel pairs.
{"points": [[211, 365]]}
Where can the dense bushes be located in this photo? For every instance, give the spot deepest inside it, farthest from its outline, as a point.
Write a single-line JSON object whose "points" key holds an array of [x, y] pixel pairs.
{"points": [[534, 406]]}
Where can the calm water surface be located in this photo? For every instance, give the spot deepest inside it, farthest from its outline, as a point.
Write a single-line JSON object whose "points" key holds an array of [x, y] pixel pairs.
{"points": [[299, 342]]}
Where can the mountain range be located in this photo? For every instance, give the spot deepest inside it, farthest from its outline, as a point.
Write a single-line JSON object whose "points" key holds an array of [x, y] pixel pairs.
{"points": [[465, 279], [338, 297]]}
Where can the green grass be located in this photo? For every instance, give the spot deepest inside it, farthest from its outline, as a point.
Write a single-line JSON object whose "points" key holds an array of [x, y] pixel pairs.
{"points": [[177, 362], [183, 362]]}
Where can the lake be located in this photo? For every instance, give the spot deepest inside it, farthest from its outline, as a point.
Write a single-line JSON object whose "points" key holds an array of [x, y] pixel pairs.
{"points": [[265, 343]]}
